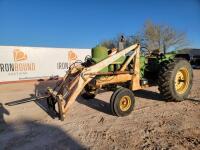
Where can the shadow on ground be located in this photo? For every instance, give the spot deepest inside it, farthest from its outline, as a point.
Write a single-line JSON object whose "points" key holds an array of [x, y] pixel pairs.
{"points": [[3, 111], [148, 95], [193, 100], [34, 135], [96, 104]]}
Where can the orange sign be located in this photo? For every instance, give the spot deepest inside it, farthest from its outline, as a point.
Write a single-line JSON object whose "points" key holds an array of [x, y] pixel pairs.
{"points": [[72, 56], [19, 55]]}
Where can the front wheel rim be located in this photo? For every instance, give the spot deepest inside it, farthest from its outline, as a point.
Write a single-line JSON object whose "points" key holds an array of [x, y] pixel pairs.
{"points": [[125, 103]]}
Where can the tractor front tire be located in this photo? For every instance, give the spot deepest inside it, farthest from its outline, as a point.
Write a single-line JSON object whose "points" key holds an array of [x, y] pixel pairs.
{"points": [[122, 102], [175, 80]]}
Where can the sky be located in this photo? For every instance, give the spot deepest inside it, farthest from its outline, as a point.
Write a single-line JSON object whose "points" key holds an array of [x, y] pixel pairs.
{"points": [[85, 23]]}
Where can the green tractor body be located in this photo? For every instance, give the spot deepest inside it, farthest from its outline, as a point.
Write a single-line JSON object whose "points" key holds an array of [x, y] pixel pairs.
{"points": [[99, 53], [172, 70], [149, 66]]}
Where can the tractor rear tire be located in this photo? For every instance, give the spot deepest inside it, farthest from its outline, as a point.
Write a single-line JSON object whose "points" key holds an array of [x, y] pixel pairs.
{"points": [[122, 102], [175, 80]]}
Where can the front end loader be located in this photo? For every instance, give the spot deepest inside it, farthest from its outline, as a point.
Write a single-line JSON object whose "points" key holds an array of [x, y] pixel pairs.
{"points": [[122, 72]]}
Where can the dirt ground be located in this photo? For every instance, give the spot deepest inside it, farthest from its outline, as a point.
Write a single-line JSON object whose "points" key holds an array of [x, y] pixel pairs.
{"points": [[154, 124]]}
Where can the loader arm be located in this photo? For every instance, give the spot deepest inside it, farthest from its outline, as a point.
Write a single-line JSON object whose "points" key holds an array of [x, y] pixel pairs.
{"points": [[71, 88]]}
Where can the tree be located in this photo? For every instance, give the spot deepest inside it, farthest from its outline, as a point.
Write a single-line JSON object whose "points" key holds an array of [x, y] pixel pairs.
{"points": [[162, 37], [154, 37]]}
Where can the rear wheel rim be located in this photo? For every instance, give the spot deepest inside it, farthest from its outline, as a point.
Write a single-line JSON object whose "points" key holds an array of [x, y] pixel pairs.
{"points": [[125, 103], [182, 80]]}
